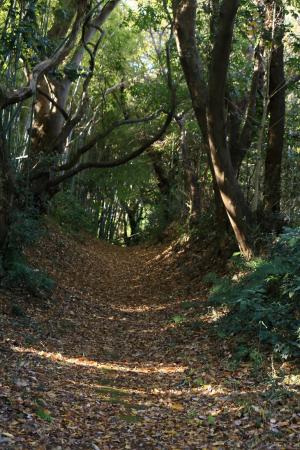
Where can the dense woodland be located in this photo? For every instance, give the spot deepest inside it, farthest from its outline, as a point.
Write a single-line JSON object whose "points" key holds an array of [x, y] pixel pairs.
{"points": [[196, 104], [141, 123]]}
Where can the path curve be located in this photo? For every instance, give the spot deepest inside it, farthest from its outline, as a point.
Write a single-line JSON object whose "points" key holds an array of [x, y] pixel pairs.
{"points": [[123, 357]]}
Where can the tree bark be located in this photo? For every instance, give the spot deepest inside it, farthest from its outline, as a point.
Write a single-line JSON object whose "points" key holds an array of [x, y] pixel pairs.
{"points": [[164, 182], [236, 207], [191, 178], [7, 192], [242, 139], [185, 33], [53, 96], [209, 107], [273, 161]]}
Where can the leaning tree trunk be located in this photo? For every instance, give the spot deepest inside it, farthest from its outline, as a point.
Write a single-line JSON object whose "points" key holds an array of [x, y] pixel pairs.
{"points": [[211, 113], [236, 207], [272, 180]]}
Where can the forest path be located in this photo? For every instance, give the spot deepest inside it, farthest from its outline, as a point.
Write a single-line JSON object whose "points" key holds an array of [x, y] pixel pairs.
{"points": [[123, 357]]}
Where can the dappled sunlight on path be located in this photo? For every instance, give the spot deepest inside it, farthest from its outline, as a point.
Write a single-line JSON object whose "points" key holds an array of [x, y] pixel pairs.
{"points": [[114, 361]]}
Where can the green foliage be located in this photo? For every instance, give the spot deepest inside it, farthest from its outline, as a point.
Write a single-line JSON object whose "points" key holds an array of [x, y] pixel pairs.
{"points": [[24, 231], [177, 319], [43, 414], [186, 305], [157, 221], [33, 280], [264, 301], [71, 215]]}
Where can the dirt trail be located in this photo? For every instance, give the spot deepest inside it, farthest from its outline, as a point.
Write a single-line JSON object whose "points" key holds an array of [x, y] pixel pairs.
{"points": [[124, 357]]}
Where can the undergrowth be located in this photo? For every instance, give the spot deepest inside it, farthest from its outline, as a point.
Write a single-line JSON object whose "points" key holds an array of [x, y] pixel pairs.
{"points": [[263, 297], [71, 215], [24, 231]]}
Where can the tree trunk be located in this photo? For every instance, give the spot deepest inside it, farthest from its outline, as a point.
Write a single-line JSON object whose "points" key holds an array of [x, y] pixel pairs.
{"points": [[241, 139], [236, 207], [185, 33], [52, 125], [6, 199], [212, 119], [191, 178], [163, 182], [272, 180], [134, 217]]}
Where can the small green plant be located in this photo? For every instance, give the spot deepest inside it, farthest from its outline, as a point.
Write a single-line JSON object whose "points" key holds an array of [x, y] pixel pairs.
{"points": [[43, 414], [277, 391], [211, 420], [256, 359], [177, 319]]}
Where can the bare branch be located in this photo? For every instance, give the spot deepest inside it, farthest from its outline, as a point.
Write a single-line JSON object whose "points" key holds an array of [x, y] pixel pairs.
{"points": [[51, 100], [72, 122], [100, 136], [115, 162], [93, 27]]}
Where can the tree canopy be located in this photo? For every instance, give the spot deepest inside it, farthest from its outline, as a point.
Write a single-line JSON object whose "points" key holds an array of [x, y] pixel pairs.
{"points": [[197, 101]]}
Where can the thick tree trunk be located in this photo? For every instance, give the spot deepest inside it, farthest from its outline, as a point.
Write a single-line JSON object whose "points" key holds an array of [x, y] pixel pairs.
{"points": [[210, 113], [236, 207], [185, 33], [272, 180], [52, 125]]}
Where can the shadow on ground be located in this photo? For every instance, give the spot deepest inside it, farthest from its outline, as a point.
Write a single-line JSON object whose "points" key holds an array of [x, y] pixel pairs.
{"points": [[110, 362]]}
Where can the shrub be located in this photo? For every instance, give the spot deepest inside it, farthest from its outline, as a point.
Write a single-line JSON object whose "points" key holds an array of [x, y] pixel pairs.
{"points": [[24, 231], [263, 300], [70, 214], [33, 280], [156, 223]]}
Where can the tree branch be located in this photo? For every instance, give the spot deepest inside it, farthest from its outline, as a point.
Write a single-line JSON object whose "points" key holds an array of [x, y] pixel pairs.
{"points": [[91, 29], [246, 135], [72, 122], [18, 95], [99, 137], [122, 160], [115, 162], [51, 100]]}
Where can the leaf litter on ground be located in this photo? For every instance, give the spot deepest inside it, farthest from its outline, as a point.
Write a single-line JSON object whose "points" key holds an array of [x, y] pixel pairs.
{"points": [[124, 355]]}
